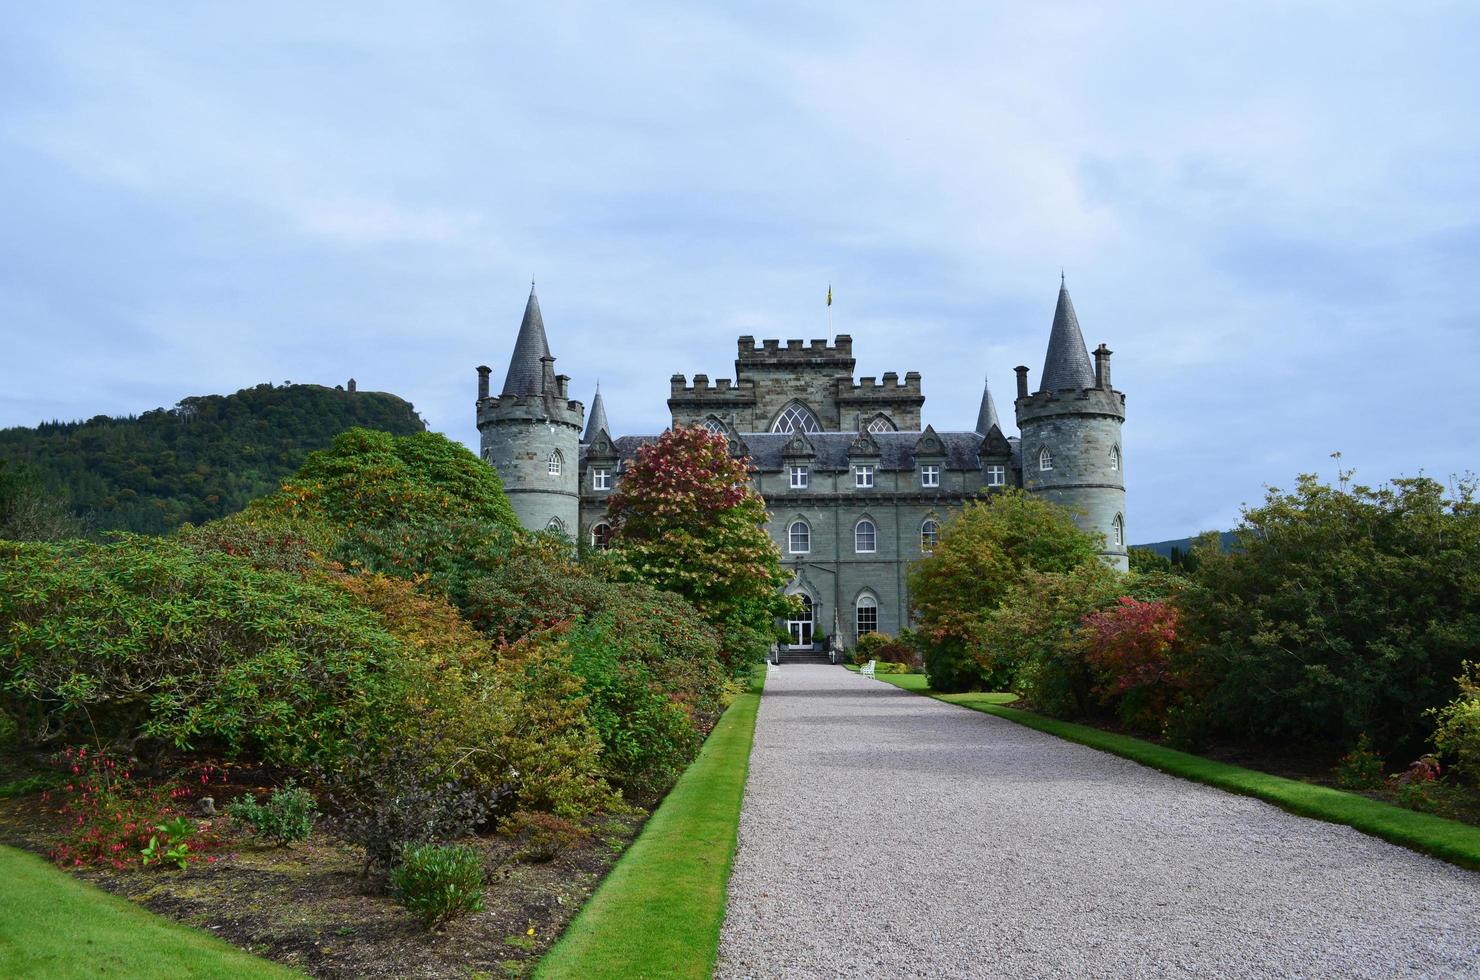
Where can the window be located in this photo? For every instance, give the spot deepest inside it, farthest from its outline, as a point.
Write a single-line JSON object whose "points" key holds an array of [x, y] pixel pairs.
{"points": [[555, 462], [798, 477], [1117, 531], [1115, 457], [996, 475], [929, 535], [867, 615], [556, 525], [863, 477], [881, 424], [795, 418], [601, 536], [1045, 459], [714, 425], [865, 537], [930, 476], [799, 538], [601, 479]]}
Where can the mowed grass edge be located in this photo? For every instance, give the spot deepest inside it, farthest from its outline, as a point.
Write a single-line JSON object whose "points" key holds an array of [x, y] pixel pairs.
{"points": [[660, 909], [1450, 840], [55, 927]]}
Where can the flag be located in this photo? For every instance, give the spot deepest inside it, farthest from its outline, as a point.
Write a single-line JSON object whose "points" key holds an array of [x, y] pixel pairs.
{"points": [[829, 294]]}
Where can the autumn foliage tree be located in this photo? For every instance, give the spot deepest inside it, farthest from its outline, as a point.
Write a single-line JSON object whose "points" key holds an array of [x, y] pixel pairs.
{"points": [[685, 519], [1132, 649]]}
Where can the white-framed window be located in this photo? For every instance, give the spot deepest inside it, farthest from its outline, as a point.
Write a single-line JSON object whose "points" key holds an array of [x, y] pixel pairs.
{"points": [[881, 424], [601, 536], [714, 425], [799, 538], [601, 478], [1117, 531], [930, 476], [866, 614], [796, 418], [555, 462], [1045, 459], [798, 477], [929, 535], [556, 525], [863, 476], [996, 475], [1115, 457], [865, 537]]}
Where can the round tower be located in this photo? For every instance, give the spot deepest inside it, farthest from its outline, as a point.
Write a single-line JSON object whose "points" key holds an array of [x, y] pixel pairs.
{"points": [[530, 432], [1071, 449]]}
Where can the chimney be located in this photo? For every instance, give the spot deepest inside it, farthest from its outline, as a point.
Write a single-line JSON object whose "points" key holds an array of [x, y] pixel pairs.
{"points": [[1102, 367], [483, 372], [1022, 375]]}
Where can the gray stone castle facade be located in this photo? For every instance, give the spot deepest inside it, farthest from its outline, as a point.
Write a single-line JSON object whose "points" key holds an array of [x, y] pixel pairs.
{"points": [[855, 487]]}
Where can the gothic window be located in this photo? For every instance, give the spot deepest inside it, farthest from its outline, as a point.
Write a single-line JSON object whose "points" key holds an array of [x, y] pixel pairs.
{"points": [[863, 477], [865, 537], [930, 476], [601, 478], [866, 613], [555, 462], [556, 525], [714, 425], [799, 538], [1117, 531], [796, 418], [996, 475], [929, 535], [1045, 459], [881, 423], [601, 536], [1115, 457], [798, 477]]}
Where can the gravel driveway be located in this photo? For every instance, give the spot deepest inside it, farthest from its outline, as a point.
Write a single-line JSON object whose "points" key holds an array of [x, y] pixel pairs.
{"points": [[886, 834]]}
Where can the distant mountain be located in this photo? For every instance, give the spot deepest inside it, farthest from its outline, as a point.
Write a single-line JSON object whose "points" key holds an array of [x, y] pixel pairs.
{"points": [[203, 459], [1184, 545]]}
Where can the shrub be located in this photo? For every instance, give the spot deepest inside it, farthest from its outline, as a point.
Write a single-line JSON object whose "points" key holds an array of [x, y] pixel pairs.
{"points": [[288, 815], [1458, 731], [1130, 647], [1033, 643], [542, 836], [1361, 768], [439, 883]]}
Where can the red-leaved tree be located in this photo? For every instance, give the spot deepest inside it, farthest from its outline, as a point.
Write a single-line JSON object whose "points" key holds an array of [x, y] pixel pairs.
{"points": [[1131, 648]]}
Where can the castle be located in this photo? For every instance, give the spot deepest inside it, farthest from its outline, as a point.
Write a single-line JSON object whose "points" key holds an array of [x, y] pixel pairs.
{"points": [[856, 489]]}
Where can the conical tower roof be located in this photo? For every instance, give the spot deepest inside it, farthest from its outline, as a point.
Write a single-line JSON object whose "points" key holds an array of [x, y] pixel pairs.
{"points": [[596, 421], [526, 367], [1067, 364], [986, 416]]}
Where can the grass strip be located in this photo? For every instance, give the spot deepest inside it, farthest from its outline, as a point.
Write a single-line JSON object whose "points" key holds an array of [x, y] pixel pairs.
{"points": [[659, 911], [1450, 840], [56, 927]]}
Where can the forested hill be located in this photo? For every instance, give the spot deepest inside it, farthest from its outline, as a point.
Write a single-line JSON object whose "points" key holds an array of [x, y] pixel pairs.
{"points": [[200, 460]]}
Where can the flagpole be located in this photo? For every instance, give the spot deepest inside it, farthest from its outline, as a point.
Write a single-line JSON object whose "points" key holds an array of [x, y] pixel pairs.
{"points": [[829, 316]]}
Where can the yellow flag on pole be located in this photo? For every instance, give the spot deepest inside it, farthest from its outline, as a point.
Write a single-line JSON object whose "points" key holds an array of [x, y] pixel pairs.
{"points": [[829, 294]]}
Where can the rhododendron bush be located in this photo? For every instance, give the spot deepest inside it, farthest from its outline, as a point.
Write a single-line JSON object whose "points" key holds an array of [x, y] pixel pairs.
{"points": [[1131, 648]]}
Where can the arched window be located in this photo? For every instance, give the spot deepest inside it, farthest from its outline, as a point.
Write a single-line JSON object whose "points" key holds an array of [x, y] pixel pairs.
{"points": [[799, 538], [865, 537], [714, 425], [1117, 531], [1045, 459], [796, 418], [881, 423], [555, 462], [1115, 457], [601, 536], [866, 614], [929, 535], [556, 525]]}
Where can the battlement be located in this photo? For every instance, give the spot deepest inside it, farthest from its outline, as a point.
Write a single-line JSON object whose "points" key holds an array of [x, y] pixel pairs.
{"points": [[702, 387], [530, 408], [870, 387], [1070, 401], [796, 352]]}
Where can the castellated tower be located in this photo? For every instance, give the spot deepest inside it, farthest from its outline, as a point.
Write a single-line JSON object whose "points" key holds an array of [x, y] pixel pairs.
{"points": [[1071, 449], [531, 432]]}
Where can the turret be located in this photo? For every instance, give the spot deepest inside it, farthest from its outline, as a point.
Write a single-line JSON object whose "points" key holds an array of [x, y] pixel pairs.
{"points": [[1071, 427], [596, 419], [986, 416], [531, 432]]}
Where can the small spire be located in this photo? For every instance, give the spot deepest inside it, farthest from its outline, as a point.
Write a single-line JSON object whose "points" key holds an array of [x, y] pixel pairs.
{"points": [[596, 420], [1067, 362], [527, 367], [986, 416]]}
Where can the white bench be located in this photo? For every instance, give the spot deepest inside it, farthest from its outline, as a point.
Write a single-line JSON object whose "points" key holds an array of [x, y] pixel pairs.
{"points": [[867, 670]]}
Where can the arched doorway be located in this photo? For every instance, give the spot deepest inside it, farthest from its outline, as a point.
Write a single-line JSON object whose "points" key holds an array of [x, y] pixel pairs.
{"points": [[800, 626]]}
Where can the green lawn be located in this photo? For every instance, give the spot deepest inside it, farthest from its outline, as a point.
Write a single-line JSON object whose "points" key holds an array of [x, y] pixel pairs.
{"points": [[659, 911], [1447, 839], [54, 926]]}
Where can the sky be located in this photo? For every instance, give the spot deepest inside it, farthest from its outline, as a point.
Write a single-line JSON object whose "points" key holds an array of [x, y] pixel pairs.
{"points": [[1269, 211]]}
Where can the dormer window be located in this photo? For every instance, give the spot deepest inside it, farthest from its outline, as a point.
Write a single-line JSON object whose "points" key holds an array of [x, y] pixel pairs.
{"points": [[601, 478], [930, 476], [863, 477], [798, 477], [996, 475], [1045, 459], [555, 462]]}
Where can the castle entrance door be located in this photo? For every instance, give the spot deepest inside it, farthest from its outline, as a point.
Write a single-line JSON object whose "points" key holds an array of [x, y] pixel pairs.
{"points": [[801, 627]]}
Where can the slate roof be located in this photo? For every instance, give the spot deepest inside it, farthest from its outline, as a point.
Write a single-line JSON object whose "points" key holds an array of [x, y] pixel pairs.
{"points": [[526, 369], [596, 421], [986, 416], [1067, 364], [896, 449]]}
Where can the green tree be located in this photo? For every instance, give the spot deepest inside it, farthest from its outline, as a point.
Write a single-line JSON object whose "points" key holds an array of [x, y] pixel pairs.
{"points": [[686, 520]]}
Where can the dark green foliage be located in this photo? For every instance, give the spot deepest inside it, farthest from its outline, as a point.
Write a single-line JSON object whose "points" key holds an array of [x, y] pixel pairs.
{"points": [[201, 460], [287, 816], [438, 883], [31, 512], [1341, 611], [1146, 560]]}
